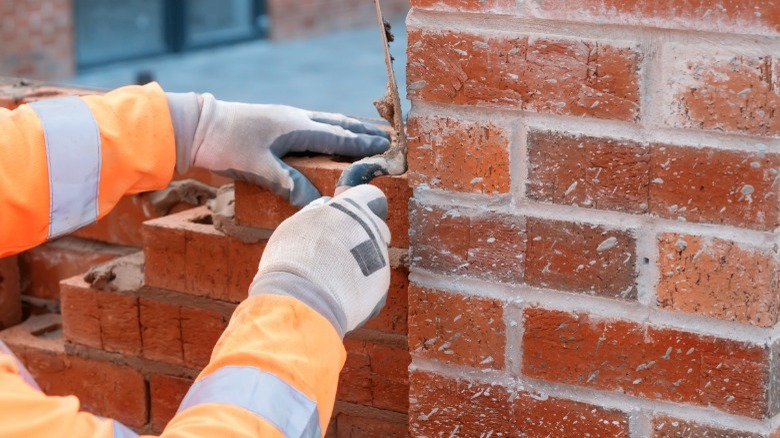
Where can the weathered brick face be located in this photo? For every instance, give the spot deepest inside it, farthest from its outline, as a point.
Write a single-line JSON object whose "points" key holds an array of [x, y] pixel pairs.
{"points": [[546, 75], [595, 210]]}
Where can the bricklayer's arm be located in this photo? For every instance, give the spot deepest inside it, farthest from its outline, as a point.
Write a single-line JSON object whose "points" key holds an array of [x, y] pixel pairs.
{"points": [[65, 162]]}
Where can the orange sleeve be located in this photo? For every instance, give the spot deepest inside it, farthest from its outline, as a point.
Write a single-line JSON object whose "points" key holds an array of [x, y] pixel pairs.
{"points": [[27, 412], [136, 153], [276, 361]]}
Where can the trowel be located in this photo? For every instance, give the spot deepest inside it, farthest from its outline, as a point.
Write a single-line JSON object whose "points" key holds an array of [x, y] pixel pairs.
{"points": [[393, 161]]}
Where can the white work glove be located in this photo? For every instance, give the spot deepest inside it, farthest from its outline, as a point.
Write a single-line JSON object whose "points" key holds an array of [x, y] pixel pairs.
{"points": [[246, 141], [332, 256]]}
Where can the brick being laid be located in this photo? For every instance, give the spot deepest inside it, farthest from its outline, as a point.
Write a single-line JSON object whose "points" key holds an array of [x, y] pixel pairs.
{"points": [[259, 208]]}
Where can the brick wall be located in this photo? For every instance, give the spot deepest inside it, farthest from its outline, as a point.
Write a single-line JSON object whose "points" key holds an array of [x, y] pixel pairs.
{"points": [[593, 236], [37, 39]]}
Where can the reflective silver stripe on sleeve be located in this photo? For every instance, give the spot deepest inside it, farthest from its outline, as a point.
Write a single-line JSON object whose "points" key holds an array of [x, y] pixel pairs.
{"points": [[122, 431], [73, 150], [23, 373], [261, 393]]}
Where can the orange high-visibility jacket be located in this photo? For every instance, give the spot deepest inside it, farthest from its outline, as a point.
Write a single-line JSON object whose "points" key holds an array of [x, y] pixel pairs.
{"points": [[64, 163]]}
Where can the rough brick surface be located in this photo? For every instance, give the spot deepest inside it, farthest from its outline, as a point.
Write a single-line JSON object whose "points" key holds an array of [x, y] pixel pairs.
{"points": [[581, 257], [461, 156], [570, 77], [351, 420], [646, 361], [166, 393], [375, 373], [45, 266], [257, 207], [484, 245], [539, 415], [717, 278], [725, 92], [10, 292], [496, 6], [670, 427], [352, 426], [459, 407], [100, 319], [585, 171], [456, 329], [716, 186], [738, 16], [185, 255]]}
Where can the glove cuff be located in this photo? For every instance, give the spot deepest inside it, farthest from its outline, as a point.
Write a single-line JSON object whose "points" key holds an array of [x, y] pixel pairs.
{"points": [[311, 294], [185, 115]]}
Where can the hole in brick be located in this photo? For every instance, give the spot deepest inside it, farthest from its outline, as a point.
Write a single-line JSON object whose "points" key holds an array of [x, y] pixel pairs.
{"points": [[203, 220], [49, 330], [2, 279]]}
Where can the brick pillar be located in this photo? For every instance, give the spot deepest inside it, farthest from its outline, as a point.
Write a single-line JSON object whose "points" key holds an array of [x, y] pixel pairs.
{"points": [[593, 233]]}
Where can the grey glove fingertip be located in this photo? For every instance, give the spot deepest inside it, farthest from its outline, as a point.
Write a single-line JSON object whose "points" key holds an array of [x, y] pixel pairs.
{"points": [[303, 191], [364, 145]]}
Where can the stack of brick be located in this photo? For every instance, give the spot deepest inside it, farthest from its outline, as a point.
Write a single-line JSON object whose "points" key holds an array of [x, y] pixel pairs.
{"points": [[594, 238]]}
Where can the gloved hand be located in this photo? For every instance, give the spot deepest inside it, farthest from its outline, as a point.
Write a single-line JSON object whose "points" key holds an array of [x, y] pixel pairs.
{"points": [[246, 141], [332, 255]]}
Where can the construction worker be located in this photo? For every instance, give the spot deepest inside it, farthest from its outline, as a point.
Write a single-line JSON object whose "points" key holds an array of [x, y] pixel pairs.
{"points": [[65, 162]]}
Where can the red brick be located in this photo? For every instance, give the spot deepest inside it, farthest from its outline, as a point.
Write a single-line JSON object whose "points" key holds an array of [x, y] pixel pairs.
{"points": [[570, 77], [392, 318], [585, 171], [119, 323], [498, 6], [581, 258], [646, 361], [670, 427], [45, 266], [185, 255], [736, 16], [161, 331], [375, 373], [103, 388], [485, 245], [541, 415], [10, 292], [178, 333], [259, 208], [123, 225], [458, 407], [80, 315], [354, 426], [716, 186], [200, 331], [462, 156], [166, 393], [717, 278], [100, 319], [456, 329], [726, 92]]}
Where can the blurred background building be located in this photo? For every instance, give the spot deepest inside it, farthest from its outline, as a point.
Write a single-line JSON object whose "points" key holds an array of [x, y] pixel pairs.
{"points": [[312, 53]]}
